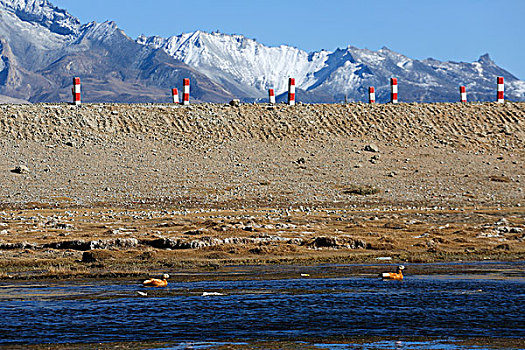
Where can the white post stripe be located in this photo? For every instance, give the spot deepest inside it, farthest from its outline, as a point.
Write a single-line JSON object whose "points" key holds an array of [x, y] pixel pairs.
{"points": [[186, 92], [271, 93], [77, 98], [501, 89]]}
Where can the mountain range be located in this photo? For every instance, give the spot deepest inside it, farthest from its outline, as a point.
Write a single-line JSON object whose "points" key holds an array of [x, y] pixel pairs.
{"points": [[43, 47]]}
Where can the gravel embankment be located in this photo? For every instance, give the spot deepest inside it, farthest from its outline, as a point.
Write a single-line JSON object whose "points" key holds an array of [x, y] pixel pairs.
{"points": [[259, 155]]}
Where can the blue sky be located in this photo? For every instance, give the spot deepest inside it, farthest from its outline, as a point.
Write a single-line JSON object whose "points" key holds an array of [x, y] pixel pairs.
{"points": [[455, 30]]}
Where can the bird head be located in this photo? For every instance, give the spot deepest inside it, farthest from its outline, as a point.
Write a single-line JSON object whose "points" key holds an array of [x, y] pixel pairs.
{"points": [[165, 276]]}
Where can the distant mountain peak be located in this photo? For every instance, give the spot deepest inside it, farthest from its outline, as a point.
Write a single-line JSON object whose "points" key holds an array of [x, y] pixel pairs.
{"points": [[485, 59], [44, 13], [99, 31]]}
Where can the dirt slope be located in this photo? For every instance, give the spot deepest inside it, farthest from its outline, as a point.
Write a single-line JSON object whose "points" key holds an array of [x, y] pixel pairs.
{"points": [[258, 155]]}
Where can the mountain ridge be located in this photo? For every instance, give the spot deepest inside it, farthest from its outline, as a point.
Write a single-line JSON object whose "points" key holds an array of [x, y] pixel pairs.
{"points": [[343, 73], [44, 46]]}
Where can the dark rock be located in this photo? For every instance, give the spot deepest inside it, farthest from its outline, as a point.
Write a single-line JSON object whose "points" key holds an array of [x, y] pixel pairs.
{"points": [[371, 148], [358, 244], [74, 245], [296, 241], [167, 243], [20, 245], [194, 232], [324, 242], [301, 161], [64, 226], [20, 169], [88, 257]]}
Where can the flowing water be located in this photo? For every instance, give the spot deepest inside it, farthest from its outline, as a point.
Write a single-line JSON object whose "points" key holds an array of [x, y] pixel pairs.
{"points": [[421, 312]]}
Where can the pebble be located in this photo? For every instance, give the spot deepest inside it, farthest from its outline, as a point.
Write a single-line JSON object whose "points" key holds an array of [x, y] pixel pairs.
{"points": [[372, 147], [20, 169]]}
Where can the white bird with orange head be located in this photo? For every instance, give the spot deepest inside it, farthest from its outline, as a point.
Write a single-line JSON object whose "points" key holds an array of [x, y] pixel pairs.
{"points": [[156, 282], [398, 275]]}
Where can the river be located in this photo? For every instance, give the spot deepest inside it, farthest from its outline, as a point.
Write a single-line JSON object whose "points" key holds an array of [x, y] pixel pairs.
{"points": [[435, 311]]}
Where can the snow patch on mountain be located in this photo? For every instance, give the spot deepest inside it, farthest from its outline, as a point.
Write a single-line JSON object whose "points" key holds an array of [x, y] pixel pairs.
{"points": [[517, 88], [43, 13], [242, 62]]}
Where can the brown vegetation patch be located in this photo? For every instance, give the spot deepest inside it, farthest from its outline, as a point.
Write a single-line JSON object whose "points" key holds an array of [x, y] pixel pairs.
{"points": [[361, 190]]}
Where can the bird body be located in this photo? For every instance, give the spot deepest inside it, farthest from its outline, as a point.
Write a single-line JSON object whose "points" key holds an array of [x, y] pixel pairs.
{"points": [[156, 282], [398, 275]]}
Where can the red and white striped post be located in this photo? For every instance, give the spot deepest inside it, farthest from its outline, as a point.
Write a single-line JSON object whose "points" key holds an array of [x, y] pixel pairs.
{"points": [[501, 90], [371, 94], [175, 95], [186, 95], [463, 94], [76, 91], [291, 91], [393, 87], [271, 95]]}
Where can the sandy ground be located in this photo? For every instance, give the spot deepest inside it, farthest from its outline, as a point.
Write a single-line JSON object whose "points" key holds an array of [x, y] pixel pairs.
{"points": [[257, 184]]}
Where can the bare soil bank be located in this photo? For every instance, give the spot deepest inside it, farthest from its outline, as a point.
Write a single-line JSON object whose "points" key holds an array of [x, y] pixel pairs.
{"points": [[257, 184]]}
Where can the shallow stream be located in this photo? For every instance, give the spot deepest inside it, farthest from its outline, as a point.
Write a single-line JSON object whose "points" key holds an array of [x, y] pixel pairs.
{"points": [[458, 311]]}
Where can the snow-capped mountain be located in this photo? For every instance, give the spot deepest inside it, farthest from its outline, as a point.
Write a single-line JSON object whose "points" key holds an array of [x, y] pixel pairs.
{"points": [[42, 47], [249, 68], [43, 13], [243, 65]]}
